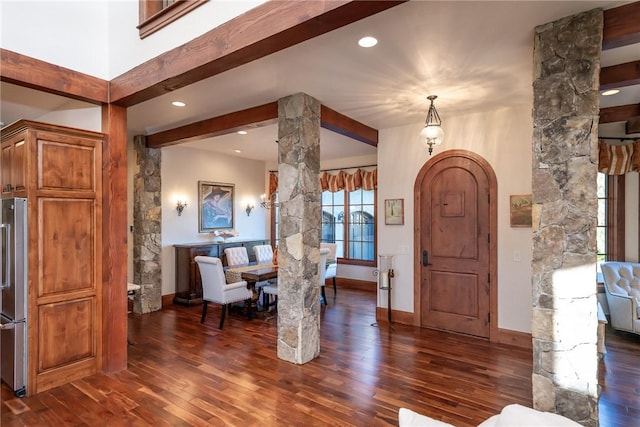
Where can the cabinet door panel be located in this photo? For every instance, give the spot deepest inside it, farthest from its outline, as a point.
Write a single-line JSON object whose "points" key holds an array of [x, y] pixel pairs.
{"points": [[67, 241]]}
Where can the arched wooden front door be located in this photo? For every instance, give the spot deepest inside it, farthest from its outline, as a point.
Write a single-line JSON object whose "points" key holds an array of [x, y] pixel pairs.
{"points": [[455, 249]]}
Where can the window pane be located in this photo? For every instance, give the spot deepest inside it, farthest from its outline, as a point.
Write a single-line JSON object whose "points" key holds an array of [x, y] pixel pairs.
{"points": [[368, 197], [601, 184], [602, 212], [601, 240]]}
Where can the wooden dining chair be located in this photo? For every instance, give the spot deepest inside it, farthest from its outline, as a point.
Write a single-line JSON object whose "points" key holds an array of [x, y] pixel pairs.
{"points": [[216, 289]]}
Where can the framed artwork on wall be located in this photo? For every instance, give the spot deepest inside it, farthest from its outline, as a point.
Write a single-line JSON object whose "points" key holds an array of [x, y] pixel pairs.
{"points": [[520, 210], [215, 206], [394, 211]]}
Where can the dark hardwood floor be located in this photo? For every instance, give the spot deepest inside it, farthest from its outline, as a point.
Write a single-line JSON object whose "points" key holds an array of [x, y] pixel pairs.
{"points": [[182, 373]]}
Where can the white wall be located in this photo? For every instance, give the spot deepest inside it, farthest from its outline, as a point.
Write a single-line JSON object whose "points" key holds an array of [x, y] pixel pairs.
{"points": [[75, 114], [127, 50], [72, 34], [99, 37], [182, 168], [503, 138]]}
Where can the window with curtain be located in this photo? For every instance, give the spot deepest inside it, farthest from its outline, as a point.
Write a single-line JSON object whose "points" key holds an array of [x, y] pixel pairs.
{"points": [[615, 160], [348, 213]]}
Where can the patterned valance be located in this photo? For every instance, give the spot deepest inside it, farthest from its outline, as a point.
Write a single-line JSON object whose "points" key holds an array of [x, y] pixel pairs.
{"points": [[341, 180], [336, 181], [618, 159]]}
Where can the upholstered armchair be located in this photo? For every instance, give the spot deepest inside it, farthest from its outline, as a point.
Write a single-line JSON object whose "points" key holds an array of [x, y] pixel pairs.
{"points": [[332, 264], [263, 253], [216, 289], [622, 290], [236, 256], [322, 272]]}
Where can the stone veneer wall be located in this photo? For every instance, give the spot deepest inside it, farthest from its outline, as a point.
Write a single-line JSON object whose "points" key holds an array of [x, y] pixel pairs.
{"points": [[147, 226], [299, 230], [565, 120]]}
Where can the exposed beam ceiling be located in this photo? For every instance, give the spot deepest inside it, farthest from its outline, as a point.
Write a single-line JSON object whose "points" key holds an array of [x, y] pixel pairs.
{"points": [[258, 116], [621, 26], [620, 113], [620, 75], [268, 28]]}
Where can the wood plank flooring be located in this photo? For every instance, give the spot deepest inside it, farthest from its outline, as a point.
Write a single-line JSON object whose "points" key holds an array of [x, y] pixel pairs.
{"points": [[182, 373]]}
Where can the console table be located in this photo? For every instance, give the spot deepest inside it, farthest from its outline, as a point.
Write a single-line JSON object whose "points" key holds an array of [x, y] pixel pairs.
{"points": [[188, 281]]}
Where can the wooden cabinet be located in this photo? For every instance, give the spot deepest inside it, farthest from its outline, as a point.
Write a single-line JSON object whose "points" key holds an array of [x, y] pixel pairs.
{"points": [[13, 178], [188, 281], [59, 170]]}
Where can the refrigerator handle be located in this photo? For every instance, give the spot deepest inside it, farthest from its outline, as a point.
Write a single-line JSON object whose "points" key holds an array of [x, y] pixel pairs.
{"points": [[6, 272]]}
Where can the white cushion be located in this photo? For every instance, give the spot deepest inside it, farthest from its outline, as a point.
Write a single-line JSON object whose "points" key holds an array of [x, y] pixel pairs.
{"points": [[408, 418], [520, 416]]}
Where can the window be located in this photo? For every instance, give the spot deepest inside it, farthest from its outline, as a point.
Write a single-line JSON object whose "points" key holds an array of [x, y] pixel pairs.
{"points": [[155, 14], [354, 233], [601, 232], [610, 229]]}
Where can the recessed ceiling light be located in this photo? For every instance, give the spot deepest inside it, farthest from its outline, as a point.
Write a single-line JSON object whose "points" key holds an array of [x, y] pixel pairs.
{"points": [[368, 41], [242, 132], [610, 92], [238, 151], [178, 104]]}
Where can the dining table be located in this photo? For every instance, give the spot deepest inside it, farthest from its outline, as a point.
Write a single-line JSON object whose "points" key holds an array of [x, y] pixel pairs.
{"points": [[252, 274]]}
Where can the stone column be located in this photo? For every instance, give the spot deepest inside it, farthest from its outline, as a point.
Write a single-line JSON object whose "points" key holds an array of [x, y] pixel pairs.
{"points": [[299, 228], [147, 225], [565, 125]]}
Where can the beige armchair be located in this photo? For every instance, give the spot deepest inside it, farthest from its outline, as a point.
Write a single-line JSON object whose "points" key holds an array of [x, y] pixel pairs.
{"points": [[215, 287], [622, 290], [332, 264]]}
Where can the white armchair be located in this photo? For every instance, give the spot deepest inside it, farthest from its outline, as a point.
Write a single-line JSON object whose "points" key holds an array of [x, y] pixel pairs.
{"points": [[215, 287], [332, 264], [622, 290]]}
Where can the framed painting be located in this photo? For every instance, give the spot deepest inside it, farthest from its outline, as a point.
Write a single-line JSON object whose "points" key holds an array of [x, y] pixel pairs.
{"points": [[394, 211], [215, 206], [520, 210]]}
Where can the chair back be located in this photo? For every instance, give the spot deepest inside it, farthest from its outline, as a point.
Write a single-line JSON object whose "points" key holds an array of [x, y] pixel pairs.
{"points": [[264, 254], [322, 264], [331, 256], [236, 256], [213, 280]]}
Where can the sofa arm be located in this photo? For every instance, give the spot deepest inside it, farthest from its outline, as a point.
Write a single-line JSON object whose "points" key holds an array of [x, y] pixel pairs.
{"points": [[623, 310]]}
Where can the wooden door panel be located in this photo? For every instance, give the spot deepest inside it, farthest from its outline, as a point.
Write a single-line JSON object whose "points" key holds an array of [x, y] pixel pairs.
{"points": [[454, 293], [67, 166], [454, 222], [68, 243]]}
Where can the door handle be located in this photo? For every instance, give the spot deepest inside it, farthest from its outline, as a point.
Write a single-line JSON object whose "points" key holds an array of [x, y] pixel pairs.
{"points": [[425, 259]]}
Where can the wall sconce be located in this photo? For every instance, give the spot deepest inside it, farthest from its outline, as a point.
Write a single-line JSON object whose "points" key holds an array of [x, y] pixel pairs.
{"points": [[249, 208], [267, 203], [432, 131], [180, 205]]}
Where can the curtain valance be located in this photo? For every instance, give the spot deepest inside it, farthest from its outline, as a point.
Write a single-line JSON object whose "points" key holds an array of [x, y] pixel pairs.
{"points": [[618, 159], [339, 180]]}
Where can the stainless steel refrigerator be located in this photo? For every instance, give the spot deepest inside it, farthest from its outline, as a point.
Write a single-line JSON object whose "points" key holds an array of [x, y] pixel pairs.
{"points": [[13, 318]]}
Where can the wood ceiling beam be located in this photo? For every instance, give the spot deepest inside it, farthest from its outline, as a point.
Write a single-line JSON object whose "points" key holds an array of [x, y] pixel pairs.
{"points": [[216, 126], [33, 73], [633, 126], [255, 117], [261, 31], [339, 123], [621, 26], [619, 114], [620, 75]]}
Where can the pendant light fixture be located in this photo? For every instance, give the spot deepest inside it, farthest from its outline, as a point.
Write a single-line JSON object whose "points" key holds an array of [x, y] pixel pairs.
{"points": [[432, 131]]}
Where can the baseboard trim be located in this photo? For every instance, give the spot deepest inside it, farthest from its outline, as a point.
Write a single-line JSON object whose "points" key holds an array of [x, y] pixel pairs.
{"points": [[343, 282], [505, 336], [401, 317], [514, 338], [167, 299]]}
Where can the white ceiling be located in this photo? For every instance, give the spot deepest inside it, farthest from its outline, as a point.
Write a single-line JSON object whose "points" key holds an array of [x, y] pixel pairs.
{"points": [[475, 56]]}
